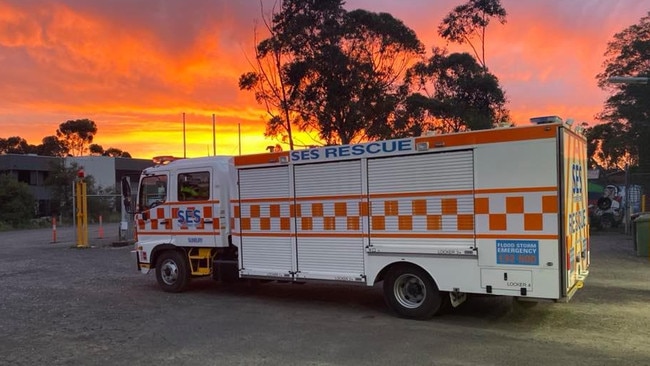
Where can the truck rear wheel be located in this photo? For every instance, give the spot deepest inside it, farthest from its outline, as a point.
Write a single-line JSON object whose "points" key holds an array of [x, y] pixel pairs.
{"points": [[411, 293], [172, 271]]}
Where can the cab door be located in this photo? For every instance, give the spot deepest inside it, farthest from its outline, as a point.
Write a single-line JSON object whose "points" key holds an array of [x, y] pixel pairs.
{"points": [[195, 211], [154, 214]]}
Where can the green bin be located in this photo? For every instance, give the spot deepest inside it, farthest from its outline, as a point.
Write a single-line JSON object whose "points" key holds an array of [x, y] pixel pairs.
{"points": [[642, 237]]}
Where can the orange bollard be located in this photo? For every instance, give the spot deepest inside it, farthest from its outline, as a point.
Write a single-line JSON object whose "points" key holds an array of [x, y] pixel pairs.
{"points": [[53, 229], [101, 228]]}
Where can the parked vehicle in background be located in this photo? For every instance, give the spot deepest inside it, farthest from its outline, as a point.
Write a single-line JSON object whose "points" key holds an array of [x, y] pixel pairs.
{"points": [[607, 212]]}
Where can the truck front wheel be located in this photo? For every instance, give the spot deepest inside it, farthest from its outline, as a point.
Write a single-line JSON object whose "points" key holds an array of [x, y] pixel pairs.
{"points": [[411, 293], [172, 271]]}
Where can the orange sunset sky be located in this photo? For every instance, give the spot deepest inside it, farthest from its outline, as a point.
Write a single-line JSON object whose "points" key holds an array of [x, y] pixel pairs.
{"points": [[135, 66]]}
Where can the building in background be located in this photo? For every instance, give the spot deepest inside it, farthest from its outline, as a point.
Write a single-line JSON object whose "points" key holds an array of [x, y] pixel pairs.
{"points": [[108, 171], [35, 169]]}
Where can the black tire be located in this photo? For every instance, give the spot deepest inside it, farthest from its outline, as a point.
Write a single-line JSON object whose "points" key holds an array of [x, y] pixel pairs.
{"points": [[604, 203], [411, 293], [172, 271]]}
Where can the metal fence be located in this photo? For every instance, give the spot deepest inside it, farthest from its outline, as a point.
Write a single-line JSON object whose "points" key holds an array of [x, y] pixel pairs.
{"points": [[106, 209], [635, 199]]}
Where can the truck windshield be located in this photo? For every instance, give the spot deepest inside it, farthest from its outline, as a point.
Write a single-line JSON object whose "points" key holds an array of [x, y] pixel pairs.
{"points": [[152, 192]]}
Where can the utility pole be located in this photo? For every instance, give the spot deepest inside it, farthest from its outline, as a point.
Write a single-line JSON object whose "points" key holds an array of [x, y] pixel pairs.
{"points": [[184, 145], [214, 136]]}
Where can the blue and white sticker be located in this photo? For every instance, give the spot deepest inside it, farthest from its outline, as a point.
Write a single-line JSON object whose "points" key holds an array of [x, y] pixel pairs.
{"points": [[518, 252], [188, 217]]}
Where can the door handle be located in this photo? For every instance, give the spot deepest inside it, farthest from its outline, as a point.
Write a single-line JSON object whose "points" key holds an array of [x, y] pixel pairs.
{"points": [[207, 221]]}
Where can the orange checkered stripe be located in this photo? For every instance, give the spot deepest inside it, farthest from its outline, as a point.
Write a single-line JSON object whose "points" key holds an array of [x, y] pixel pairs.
{"points": [[157, 214], [523, 213], [436, 216], [264, 215], [484, 214], [269, 217], [340, 216]]}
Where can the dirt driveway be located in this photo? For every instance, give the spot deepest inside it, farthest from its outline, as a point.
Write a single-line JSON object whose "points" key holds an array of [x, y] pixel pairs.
{"points": [[65, 306]]}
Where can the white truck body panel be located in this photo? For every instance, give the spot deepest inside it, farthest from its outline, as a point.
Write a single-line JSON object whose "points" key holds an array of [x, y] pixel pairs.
{"points": [[262, 255], [322, 190]]}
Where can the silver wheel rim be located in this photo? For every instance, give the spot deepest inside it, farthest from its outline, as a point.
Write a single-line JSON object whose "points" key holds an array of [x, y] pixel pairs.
{"points": [[409, 291], [169, 272]]}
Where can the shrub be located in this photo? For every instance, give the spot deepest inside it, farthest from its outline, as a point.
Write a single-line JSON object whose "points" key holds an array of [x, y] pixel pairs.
{"points": [[16, 202]]}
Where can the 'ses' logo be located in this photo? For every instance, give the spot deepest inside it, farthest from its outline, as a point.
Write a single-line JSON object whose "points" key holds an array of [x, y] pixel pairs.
{"points": [[576, 173], [189, 217]]}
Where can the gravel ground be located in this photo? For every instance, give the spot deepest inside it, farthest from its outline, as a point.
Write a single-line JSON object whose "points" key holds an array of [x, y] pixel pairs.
{"points": [[66, 306]]}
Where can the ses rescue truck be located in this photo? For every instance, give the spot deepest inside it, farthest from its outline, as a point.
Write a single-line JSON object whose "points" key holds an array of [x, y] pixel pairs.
{"points": [[500, 212]]}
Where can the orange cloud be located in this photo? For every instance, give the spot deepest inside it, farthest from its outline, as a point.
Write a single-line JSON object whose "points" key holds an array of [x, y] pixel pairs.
{"points": [[135, 68], [123, 78]]}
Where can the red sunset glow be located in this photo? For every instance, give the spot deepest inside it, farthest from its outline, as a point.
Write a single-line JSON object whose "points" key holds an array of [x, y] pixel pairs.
{"points": [[135, 67]]}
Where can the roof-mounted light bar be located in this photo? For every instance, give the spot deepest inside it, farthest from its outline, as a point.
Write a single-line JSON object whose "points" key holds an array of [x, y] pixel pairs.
{"points": [[545, 119], [164, 159]]}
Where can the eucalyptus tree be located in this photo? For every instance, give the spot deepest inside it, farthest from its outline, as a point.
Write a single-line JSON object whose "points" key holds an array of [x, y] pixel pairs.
{"points": [[626, 113], [469, 21], [454, 93], [343, 70], [77, 135]]}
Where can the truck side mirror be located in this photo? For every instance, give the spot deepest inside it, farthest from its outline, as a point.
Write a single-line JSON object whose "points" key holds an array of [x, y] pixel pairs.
{"points": [[126, 195]]}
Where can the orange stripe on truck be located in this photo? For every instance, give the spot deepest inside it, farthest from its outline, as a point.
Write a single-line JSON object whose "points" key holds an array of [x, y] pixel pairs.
{"points": [[398, 194], [516, 190], [400, 235], [490, 136], [260, 159]]}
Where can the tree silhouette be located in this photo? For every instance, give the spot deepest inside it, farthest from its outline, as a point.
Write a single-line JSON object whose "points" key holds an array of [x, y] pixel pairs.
{"points": [[627, 109], [271, 85], [455, 94], [77, 135], [342, 69], [71, 134], [96, 150], [52, 146], [469, 21], [15, 145]]}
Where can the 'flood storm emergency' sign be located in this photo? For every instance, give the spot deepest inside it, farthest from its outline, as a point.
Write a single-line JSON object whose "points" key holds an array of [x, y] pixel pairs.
{"points": [[520, 252]]}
